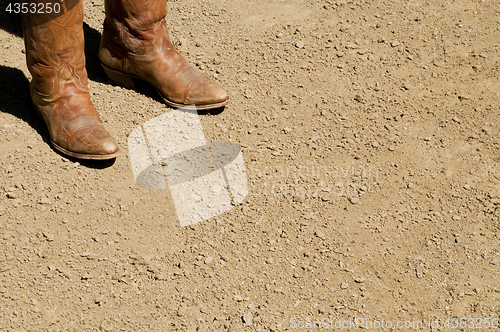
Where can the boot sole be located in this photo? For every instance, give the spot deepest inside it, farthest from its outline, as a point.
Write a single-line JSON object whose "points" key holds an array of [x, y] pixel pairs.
{"points": [[76, 154], [127, 81], [85, 155]]}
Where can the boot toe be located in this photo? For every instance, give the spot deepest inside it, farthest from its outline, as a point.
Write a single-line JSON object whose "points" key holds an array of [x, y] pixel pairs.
{"points": [[205, 93], [93, 141], [108, 146]]}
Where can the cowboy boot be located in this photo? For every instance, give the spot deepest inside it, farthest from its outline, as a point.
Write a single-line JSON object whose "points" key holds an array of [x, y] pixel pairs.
{"points": [[55, 56], [136, 44]]}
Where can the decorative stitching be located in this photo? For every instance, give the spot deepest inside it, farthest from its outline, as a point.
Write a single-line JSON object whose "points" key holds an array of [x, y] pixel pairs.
{"points": [[191, 74]]}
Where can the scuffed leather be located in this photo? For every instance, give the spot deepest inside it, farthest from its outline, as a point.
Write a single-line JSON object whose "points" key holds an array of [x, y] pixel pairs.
{"points": [[136, 42], [56, 60]]}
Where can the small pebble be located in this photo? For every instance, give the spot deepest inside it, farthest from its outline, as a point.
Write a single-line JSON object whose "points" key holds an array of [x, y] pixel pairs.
{"points": [[182, 311], [44, 200], [359, 99], [325, 196], [12, 195], [352, 45], [320, 234], [66, 273], [48, 236], [359, 280], [248, 318], [354, 200]]}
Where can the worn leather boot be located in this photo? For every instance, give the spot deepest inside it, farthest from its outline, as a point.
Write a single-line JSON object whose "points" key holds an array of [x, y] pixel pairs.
{"points": [[55, 55], [136, 44]]}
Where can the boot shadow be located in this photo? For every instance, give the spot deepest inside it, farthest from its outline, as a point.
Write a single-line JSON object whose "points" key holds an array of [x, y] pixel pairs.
{"points": [[21, 107], [92, 64], [10, 22]]}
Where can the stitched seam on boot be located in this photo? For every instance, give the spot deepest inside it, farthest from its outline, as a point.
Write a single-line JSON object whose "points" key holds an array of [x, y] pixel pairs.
{"points": [[190, 75], [49, 98]]}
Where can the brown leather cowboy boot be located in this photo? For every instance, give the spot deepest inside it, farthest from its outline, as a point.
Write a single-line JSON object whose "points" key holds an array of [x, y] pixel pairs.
{"points": [[136, 44], [55, 55]]}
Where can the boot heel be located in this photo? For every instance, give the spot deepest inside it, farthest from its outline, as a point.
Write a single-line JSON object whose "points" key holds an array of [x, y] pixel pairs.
{"points": [[118, 77]]}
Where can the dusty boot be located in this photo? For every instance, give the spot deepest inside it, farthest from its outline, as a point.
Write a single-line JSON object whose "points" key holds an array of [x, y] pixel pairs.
{"points": [[56, 60], [136, 44]]}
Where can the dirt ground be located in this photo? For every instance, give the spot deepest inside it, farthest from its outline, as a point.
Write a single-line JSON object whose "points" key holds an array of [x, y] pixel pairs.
{"points": [[370, 133]]}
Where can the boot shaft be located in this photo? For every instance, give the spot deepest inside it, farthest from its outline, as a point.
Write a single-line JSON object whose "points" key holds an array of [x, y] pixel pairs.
{"points": [[134, 24], [54, 45]]}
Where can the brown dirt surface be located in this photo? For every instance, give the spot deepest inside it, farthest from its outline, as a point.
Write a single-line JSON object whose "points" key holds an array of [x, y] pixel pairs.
{"points": [[370, 134]]}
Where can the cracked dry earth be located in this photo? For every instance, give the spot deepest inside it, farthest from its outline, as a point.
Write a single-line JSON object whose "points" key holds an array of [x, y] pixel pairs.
{"points": [[370, 134]]}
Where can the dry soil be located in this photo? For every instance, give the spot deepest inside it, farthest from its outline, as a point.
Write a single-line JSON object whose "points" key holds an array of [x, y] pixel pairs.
{"points": [[370, 134]]}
